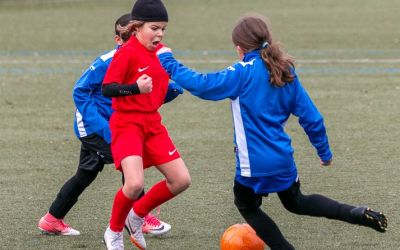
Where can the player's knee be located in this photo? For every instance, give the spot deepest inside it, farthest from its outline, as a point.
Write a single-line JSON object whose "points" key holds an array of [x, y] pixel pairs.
{"points": [[291, 207], [180, 184], [84, 177], [294, 205], [247, 210], [186, 181], [246, 206], [132, 189]]}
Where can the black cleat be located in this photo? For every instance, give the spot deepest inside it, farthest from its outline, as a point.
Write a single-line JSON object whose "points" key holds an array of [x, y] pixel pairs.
{"points": [[367, 217]]}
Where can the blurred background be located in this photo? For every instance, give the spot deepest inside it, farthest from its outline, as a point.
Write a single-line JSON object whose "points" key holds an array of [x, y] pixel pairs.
{"points": [[347, 57]]}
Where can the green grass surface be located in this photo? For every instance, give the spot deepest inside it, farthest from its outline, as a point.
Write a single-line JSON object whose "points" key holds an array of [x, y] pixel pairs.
{"points": [[46, 45]]}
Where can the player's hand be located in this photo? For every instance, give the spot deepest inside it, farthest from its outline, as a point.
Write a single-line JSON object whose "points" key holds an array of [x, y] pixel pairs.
{"points": [[145, 84], [326, 163], [163, 50]]}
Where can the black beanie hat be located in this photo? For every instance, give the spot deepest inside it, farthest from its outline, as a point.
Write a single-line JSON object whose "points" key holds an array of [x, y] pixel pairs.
{"points": [[149, 11]]}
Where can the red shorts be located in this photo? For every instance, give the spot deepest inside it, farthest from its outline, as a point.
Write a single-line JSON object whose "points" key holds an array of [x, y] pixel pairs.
{"points": [[141, 134]]}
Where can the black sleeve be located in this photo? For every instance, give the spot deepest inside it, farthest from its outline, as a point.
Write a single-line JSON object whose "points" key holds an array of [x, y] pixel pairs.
{"points": [[115, 89]]}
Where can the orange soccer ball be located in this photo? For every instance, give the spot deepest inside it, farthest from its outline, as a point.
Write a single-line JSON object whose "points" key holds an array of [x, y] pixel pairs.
{"points": [[241, 237]]}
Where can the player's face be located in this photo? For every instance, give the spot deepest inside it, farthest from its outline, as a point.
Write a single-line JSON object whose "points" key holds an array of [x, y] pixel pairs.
{"points": [[150, 34]]}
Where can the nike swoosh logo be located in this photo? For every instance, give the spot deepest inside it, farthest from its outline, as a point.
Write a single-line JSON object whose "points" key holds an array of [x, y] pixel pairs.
{"points": [[157, 229], [172, 152], [143, 69], [129, 227]]}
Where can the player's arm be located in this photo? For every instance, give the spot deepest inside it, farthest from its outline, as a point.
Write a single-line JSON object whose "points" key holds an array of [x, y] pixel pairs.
{"points": [[211, 86], [114, 84], [116, 89], [312, 122], [82, 91], [144, 84]]}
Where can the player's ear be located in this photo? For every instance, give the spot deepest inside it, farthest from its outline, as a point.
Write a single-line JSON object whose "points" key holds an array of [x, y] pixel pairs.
{"points": [[240, 52], [118, 40]]}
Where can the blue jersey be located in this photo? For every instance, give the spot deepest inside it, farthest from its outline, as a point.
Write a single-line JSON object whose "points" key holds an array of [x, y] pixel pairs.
{"points": [[260, 111], [93, 110]]}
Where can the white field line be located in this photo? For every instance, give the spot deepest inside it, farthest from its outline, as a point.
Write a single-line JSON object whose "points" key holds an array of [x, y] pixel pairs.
{"points": [[36, 2], [51, 61], [312, 61], [214, 61]]}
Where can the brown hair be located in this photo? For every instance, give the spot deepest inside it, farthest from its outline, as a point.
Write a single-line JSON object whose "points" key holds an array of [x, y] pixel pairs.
{"points": [[251, 33], [135, 24], [123, 27]]}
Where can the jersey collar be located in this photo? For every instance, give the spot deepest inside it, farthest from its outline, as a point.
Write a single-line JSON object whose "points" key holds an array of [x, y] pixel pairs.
{"points": [[251, 55]]}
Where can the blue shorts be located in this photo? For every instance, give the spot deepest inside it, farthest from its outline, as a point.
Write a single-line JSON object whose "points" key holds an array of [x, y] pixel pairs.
{"points": [[269, 184]]}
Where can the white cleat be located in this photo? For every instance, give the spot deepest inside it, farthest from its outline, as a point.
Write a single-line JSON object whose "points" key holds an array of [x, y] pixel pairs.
{"points": [[113, 240], [133, 224]]}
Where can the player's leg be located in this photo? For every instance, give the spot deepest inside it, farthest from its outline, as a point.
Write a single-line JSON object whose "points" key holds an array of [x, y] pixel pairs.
{"points": [[177, 177], [159, 150], [132, 167], [95, 152], [156, 152], [249, 204], [321, 206], [177, 180], [152, 225]]}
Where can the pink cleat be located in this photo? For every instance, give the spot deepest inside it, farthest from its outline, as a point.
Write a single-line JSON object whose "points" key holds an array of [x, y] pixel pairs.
{"points": [[153, 226], [48, 224]]}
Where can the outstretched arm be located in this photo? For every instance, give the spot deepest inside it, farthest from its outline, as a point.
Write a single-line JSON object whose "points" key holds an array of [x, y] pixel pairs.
{"points": [[211, 86]]}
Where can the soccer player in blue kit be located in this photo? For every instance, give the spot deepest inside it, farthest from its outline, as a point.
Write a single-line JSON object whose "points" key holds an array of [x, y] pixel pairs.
{"points": [[265, 90], [91, 126]]}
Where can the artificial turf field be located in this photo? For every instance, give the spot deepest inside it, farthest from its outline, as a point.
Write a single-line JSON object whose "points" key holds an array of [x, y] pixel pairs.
{"points": [[348, 58]]}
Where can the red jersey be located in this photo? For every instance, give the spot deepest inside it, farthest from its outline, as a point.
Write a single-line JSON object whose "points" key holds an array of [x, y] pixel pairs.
{"points": [[130, 62]]}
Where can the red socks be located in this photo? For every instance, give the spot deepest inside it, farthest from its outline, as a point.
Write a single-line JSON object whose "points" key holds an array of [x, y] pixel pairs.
{"points": [[120, 210], [156, 196]]}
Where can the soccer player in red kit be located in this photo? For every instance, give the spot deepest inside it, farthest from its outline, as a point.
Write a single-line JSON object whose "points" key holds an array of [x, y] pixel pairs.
{"points": [[139, 139]]}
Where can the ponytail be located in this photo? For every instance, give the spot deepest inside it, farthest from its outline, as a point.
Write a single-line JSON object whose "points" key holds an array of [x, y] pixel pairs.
{"points": [[279, 64], [252, 33]]}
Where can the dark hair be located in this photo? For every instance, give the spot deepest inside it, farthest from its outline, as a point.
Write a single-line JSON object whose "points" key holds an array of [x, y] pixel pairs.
{"points": [[122, 27], [252, 33]]}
